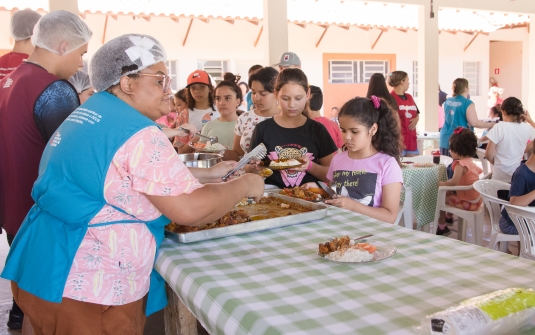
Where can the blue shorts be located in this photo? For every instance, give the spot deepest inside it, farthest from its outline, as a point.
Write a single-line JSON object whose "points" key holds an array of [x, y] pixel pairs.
{"points": [[411, 152]]}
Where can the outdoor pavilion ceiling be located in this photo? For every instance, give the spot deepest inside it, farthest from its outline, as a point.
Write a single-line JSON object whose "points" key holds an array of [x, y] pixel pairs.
{"points": [[361, 14]]}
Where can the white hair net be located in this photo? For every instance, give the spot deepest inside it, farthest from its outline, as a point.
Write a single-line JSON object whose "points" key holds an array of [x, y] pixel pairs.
{"points": [[22, 23], [80, 81], [122, 56], [60, 26]]}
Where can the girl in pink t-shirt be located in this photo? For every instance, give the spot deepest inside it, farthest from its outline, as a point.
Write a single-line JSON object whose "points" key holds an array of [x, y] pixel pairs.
{"points": [[367, 176]]}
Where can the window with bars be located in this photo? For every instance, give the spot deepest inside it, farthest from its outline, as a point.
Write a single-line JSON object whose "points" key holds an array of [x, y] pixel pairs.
{"points": [[215, 68], [355, 71], [172, 71], [415, 79], [472, 74]]}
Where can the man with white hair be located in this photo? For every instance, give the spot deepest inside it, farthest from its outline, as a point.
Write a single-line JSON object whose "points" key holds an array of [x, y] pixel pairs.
{"points": [[21, 29], [34, 100]]}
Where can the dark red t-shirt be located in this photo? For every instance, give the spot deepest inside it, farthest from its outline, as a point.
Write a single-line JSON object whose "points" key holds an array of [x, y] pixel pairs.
{"points": [[10, 62], [333, 129]]}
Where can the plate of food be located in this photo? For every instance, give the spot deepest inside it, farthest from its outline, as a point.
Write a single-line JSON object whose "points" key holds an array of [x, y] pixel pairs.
{"points": [[285, 164], [423, 165], [312, 194], [345, 250], [206, 147]]}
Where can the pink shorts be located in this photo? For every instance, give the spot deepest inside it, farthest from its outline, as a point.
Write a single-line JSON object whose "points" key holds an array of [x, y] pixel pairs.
{"points": [[453, 200]]}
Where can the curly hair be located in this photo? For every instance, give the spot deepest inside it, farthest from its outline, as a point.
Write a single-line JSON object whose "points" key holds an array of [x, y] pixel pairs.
{"points": [[388, 138], [463, 142], [513, 107]]}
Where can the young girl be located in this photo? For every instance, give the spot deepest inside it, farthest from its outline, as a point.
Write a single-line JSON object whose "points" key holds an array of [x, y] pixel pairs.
{"points": [[265, 102], [368, 176], [228, 96], [290, 134], [463, 145], [408, 112], [508, 140], [200, 101]]}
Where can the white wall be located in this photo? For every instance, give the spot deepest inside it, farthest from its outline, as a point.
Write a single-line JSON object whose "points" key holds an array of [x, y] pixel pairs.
{"points": [[507, 57]]}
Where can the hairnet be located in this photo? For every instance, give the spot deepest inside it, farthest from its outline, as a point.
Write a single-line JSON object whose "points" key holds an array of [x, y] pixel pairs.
{"points": [[122, 56], [60, 26], [22, 23], [80, 81]]}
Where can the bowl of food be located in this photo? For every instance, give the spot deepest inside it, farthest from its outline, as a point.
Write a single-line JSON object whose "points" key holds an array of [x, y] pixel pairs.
{"points": [[200, 160]]}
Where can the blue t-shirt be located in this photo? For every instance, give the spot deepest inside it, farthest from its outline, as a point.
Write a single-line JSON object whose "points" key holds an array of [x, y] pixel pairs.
{"points": [[454, 116], [249, 99], [522, 182]]}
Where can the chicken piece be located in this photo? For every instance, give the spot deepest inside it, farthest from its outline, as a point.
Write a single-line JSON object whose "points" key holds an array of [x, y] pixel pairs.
{"points": [[323, 249]]}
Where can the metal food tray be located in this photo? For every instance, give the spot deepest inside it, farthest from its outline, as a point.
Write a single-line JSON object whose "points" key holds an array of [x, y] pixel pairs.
{"points": [[319, 211]]}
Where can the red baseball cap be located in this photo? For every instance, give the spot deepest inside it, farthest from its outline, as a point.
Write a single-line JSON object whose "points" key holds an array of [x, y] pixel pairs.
{"points": [[200, 77]]}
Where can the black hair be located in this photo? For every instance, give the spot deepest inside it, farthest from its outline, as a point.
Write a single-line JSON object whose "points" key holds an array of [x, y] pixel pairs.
{"points": [[246, 86], [294, 76], [254, 69], [265, 76], [377, 87], [497, 110], [181, 94], [513, 107], [463, 142], [387, 139], [316, 98], [230, 81]]}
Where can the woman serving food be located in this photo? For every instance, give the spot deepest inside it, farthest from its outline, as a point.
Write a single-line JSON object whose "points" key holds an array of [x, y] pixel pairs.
{"points": [[88, 244]]}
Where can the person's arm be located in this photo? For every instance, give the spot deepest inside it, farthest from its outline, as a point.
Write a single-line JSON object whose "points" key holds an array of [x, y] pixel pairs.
{"points": [[213, 174], [490, 151], [474, 121], [210, 202], [523, 200], [527, 118], [236, 146], [414, 122], [458, 172], [53, 106], [388, 211], [317, 170]]}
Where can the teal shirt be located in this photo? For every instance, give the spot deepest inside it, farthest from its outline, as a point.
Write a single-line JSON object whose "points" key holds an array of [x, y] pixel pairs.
{"points": [[454, 116]]}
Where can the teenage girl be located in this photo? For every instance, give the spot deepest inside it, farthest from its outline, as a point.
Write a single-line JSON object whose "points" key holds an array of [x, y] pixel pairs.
{"points": [[228, 97], [290, 134], [407, 110], [463, 145], [368, 176], [265, 102]]}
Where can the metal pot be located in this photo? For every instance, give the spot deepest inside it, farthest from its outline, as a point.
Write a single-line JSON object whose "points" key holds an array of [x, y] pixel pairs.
{"points": [[200, 160]]}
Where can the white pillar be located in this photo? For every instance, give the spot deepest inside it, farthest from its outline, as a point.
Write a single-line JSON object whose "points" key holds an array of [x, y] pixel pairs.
{"points": [[530, 106], [428, 68], [68, 5], [275, 23]]}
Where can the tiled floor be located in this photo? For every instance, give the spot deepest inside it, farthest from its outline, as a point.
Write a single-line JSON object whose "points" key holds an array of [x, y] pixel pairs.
{"points": [[155, 324]]}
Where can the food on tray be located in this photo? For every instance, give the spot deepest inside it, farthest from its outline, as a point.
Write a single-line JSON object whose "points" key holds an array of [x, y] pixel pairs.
{"points": [[285, 163], [423, 164], [265, 208], [266, 173], [214, 147], [301, 193], [343, 250], [198, 145]]}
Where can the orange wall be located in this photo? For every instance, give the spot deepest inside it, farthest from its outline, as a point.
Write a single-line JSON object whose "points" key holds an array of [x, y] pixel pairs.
{"points": [[335, 95]]}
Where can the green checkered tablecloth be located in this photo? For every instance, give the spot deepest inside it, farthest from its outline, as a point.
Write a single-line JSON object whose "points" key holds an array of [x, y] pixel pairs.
{"points": [[273, 282], [424, 183]]}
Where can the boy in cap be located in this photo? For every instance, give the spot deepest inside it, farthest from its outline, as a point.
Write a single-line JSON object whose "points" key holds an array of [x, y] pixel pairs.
{"points": [[21, 29], [289, 60], [34, 100]]}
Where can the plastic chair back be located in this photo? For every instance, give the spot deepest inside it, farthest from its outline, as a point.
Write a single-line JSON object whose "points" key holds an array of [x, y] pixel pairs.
{"points": [[488, 189], [524, 221]]}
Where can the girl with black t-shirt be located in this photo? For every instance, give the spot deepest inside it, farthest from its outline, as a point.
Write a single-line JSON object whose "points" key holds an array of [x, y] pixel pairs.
{"points": [[291, 134]]}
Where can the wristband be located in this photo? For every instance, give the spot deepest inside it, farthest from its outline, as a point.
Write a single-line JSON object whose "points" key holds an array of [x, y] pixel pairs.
{"points": [[309, 166]]}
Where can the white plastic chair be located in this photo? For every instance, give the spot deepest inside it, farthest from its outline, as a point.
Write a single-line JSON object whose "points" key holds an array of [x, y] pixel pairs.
{"points": [[484, 162], [405, 209], [524, 221], [474, 219], [489, 192]]}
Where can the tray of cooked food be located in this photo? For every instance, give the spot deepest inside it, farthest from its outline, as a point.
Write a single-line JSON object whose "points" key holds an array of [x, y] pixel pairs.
{"points": [[271, 211], [308, 194]]}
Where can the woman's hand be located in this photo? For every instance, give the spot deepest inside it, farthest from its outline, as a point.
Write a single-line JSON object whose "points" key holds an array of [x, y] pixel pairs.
{"points": [[414, 121], [304, 167], [218, 171], [309, 185], [527, 118], [184, 136], [342, 202]]}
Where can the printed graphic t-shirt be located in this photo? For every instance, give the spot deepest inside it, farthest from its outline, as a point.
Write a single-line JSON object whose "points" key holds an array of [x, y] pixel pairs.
{"points": [[363, 179], [10, 62], [311, 139], [197, 117], [245, 126]]}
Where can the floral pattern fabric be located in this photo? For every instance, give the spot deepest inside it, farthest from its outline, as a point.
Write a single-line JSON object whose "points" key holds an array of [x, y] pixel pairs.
{"points": [[245, 126], [113, 263]]}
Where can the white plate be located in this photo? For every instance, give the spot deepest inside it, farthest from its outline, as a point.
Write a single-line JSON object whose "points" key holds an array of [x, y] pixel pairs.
{"points": [[384, 250]]}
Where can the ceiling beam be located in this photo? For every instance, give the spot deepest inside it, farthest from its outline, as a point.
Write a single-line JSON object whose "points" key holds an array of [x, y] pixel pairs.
{"points": [[377, 39], [105, 28], [472, 40], [174, 18], [258, 37], [203, 19], [187, 32], [302, 25], [325, 27], [231, 21], [255, 22]]}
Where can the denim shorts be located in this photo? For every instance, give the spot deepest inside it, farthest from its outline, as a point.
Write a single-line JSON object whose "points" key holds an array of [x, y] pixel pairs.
{"points": [[412, 152]]}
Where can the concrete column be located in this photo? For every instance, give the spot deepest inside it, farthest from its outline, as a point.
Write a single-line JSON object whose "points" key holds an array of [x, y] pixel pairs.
{"points": [[428, 68], [530, 103], [68, 5], [275, 24]]}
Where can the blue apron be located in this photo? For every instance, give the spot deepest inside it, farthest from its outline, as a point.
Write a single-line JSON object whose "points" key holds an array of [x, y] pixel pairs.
{"points": [[69, 192], [454, 116]]}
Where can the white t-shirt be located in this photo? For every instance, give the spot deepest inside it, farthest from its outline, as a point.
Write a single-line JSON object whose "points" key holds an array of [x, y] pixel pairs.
{"points": [[245, 126], [511, 139], [199, 117]]}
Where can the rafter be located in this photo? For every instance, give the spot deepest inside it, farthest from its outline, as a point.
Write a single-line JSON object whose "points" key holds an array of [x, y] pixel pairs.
{"points": [[187, 32], [258, 37], [472, 40], [323, 34], [377, 39]]}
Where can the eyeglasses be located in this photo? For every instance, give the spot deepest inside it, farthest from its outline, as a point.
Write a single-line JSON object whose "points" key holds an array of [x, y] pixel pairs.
{"points": [[166, 80]]}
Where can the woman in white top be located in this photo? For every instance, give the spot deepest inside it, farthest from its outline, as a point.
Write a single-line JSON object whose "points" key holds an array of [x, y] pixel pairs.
{"points": [[261, 83], [508, 140]]}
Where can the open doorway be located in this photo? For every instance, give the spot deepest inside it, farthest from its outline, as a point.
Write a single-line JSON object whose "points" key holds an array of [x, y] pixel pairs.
{"points": [[505, 66]]}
